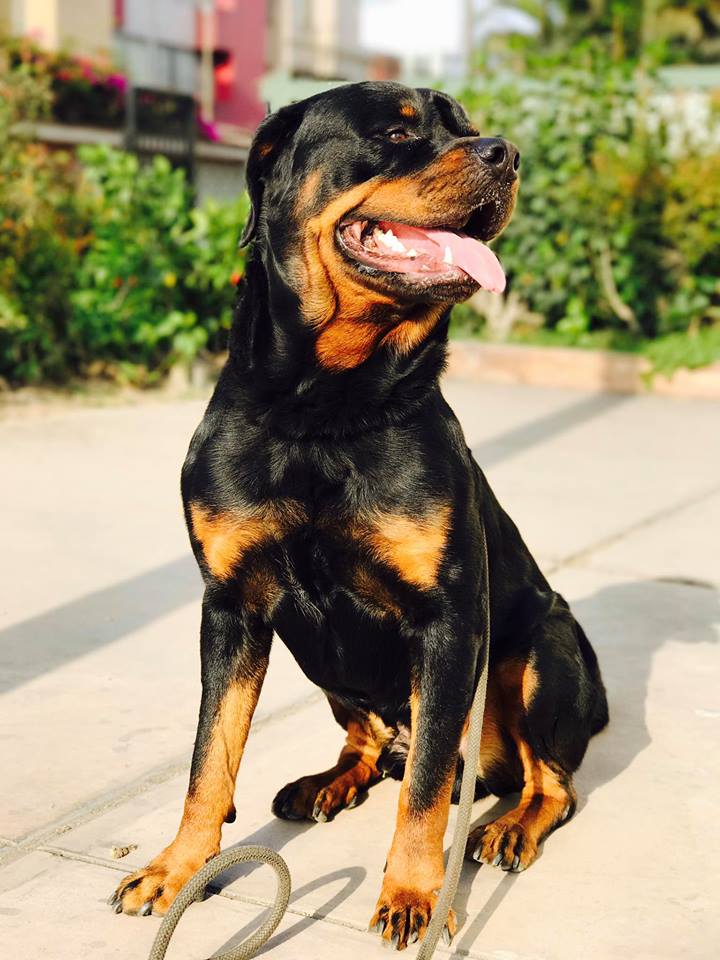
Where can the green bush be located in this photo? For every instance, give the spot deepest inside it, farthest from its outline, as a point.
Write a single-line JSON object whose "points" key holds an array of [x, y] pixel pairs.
{"points": [[41, 236], [106, 265], [614, 231], [109, 269], [155, 285]]}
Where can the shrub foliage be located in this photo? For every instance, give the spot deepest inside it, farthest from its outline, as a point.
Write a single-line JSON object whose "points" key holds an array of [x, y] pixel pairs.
{"points": [[106, 266], [615, 226]]}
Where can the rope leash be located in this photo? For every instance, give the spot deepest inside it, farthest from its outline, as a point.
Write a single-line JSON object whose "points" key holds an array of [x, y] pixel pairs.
{"points": [[195, 886], [249, 948]]}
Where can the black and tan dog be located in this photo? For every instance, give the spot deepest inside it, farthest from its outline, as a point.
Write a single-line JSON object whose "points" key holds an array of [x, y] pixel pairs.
{"points": [[331, 498]]}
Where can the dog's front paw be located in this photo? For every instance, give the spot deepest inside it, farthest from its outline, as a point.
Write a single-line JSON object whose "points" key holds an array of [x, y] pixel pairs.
{"points": [[153, 889], [402, 916]]}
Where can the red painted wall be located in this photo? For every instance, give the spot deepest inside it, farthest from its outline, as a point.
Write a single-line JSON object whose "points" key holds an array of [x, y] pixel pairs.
{"points": [[240, 29]]}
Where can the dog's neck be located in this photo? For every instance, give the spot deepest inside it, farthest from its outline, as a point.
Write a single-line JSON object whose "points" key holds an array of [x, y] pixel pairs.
{"points": [[274, 365]]}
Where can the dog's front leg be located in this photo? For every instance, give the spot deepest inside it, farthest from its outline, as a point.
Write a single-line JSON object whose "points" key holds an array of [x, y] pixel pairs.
{"points": [[439, 703], [234, 654]]}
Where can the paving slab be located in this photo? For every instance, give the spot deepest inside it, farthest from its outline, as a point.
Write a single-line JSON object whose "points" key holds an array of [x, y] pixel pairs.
{"points": [[75, 922], [584, 471], [82, 733], [681, 547], [91, 498]]}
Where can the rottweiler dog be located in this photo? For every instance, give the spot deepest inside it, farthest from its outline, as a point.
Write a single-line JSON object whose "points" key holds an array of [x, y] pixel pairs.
{"points": [[331, 498]]}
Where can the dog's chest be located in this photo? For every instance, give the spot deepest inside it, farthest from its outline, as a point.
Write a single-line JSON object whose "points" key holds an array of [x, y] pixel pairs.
{"points": [[340, 614], [337, 585], [349, 582]]}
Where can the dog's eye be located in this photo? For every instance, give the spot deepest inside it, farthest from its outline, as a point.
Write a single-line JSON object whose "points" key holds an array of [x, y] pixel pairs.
{"points": [[397, 134]]}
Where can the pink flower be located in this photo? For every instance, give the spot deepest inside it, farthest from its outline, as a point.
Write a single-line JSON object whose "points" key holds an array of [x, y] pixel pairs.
{"points": [[208, 130], [118, 81]]}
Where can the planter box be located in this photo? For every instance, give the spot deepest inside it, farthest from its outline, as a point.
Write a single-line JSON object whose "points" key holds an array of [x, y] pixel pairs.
{"points": [[573, 367]]}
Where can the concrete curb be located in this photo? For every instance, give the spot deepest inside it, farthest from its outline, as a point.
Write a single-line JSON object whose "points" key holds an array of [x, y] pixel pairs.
{"points": [[573, 367]]}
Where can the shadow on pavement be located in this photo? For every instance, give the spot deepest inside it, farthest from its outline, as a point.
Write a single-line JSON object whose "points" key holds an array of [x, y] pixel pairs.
{"points": [[42, 643], [627, 623], [353, 877], [276, 834], [496, 449], [468, 934]]}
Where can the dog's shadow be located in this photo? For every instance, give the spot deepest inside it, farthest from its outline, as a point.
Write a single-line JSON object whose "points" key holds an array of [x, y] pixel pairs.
{"points": [[276, 834], [628, 624]]}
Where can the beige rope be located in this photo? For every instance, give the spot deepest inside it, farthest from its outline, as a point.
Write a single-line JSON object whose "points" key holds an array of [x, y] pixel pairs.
{"points": [[255, 854], [195, 886]]}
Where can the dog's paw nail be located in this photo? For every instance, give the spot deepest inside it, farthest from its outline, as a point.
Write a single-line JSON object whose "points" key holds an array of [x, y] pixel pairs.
{"points": [[477, 854], [447, 936], [113, 899], [118, 908], [515, 863], [145, 909], [395, 941], [497, 860]]}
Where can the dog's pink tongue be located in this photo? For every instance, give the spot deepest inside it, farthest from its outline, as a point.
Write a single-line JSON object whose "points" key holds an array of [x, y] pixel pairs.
{"points": [[472, 256]]}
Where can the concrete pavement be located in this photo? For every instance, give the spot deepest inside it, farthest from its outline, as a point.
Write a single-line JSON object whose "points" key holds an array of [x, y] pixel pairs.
{"points": [[619, 497]]}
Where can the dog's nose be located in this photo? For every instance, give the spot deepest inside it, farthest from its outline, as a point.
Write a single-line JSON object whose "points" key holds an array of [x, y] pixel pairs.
{"points": [[499, 154]]}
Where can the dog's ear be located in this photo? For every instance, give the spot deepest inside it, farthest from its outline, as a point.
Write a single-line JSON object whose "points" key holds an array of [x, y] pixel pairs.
{"points": [[273, 134], [453, 115]]}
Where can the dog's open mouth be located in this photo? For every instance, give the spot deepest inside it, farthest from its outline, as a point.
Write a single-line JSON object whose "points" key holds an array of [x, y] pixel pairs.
{"points": [[422, 254]]}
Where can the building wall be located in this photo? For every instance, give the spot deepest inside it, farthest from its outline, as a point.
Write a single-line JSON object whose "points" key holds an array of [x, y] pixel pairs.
{"points": [[78, 25], [155, 42], [317, 38], [6, 15], [84, 27], [241, 30]]}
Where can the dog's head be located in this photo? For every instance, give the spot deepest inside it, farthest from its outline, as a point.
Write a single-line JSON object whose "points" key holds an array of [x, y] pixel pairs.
{"points": [[372, 202]]}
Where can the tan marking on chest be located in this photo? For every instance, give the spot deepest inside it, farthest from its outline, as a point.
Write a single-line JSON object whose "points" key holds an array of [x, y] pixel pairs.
{"points": [[226, 537], [413, 546]]}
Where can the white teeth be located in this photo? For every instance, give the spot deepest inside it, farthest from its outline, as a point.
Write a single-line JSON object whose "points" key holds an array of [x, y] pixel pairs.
{"points": [[389, 240], [448, 258]]}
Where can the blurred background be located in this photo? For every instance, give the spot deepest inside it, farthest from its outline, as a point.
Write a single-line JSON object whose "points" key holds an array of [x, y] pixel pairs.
{"points": [[125, 125]]}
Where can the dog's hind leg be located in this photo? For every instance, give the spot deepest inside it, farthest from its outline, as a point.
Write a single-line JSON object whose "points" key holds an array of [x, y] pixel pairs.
{"points": [[553, 701], [321, 795], [234, 654]]}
